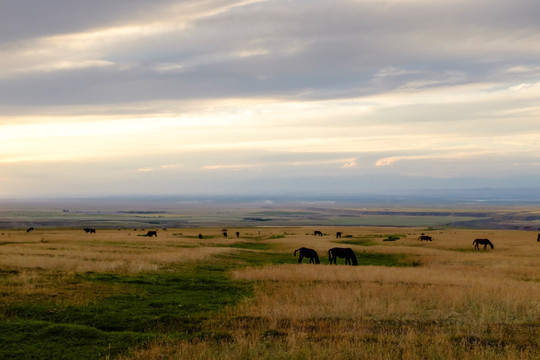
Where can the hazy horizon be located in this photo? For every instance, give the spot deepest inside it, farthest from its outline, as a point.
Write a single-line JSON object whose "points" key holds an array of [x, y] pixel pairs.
{"points": [[243, 97]]}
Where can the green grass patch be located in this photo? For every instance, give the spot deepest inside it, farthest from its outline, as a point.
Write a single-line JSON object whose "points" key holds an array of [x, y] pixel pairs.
{"points": [[28, 339], [378, 259], [276, 237], [165, 304]]}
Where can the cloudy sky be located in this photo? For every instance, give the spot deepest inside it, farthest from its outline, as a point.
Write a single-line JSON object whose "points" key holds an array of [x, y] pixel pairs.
{"points": [[281, 96]]}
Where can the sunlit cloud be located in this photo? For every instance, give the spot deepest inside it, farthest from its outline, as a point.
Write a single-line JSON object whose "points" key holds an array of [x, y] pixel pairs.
{"points": [[169, 90], [350, 165]]}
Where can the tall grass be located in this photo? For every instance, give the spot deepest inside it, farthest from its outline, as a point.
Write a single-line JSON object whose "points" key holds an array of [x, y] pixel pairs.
{"points": [[178, 297]]}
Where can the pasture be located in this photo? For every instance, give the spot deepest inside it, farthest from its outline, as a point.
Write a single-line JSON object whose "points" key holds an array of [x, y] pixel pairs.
{"points": [[118, 295]]}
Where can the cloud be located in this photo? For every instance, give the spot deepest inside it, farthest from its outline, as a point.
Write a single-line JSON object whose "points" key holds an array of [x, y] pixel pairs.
{"points": [[266, 88], [145, 170], [349, 165]]}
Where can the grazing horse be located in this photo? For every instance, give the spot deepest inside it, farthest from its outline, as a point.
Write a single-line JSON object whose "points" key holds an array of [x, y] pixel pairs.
{"points": [[484, 242], [238, 234], [151, 233], [317, 233], [538, 238], [425, 237], [338, 235], [309, 253], [30, 229], [89, 230], [200, 236], [347, 253]]}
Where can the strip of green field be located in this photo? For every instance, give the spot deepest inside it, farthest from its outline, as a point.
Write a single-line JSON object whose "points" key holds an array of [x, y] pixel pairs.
{"points": [[173, 303]]}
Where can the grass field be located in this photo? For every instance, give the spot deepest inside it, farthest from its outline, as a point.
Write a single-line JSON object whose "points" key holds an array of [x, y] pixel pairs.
{"points": [[115, 294]]}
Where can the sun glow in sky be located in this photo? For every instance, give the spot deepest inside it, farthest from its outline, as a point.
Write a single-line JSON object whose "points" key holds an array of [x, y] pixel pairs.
{"points": [[226, 96]]}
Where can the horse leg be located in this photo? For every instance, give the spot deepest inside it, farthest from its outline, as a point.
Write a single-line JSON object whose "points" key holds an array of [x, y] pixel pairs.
{"points": [[300, 258]]}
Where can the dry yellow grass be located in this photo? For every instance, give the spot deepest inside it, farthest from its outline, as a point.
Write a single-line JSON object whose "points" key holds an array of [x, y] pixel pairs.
{"points": [[458, 304]]}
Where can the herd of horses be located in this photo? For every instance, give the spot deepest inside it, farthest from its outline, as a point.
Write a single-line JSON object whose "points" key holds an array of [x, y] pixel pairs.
{"points": [[333, 253]]}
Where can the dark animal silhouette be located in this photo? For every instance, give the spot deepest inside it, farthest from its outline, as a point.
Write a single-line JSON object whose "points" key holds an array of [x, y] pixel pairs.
{"points": [[317, 233], [538, 238], [151, 233], [338, 235], [308, 253], [347, 253], [225, 234], [30, 229], [484, 242], [238, 234], [200, 236], [89, 230], [425, 237]]}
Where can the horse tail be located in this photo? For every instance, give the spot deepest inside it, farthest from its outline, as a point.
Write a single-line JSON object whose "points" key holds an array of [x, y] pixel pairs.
{"points": [[296, 251], [330, 255]]}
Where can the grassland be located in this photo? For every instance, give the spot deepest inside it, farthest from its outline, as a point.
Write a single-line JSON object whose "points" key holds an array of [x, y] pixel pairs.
{"points": [[115, 294]]}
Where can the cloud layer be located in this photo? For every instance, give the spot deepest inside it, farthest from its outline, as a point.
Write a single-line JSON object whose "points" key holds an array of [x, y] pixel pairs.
{"points": [[182, 97]]}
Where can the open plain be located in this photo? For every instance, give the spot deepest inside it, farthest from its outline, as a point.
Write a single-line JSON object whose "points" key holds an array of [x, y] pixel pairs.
{"points": [[117, 294]]}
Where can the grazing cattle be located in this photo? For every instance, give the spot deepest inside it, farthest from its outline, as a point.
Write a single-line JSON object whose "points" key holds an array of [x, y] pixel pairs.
{"points": [[151, 233], [484, 242], [89, 230], [317, 233], [308, 253], [347, 253], [200, 236], [425, 238], [30, 229], [338, 235]]}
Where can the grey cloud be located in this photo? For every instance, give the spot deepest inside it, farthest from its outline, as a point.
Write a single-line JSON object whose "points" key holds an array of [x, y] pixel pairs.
{"points": [[314, 49]]}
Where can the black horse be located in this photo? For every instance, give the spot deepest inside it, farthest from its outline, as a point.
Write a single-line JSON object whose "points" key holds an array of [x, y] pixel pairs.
{"points": [[151, 233], [338, 235], [484, 242], [425, 237], [89, 230], [317, 233], [308, 253], [347, 253], [538, 238], [30, 229]]}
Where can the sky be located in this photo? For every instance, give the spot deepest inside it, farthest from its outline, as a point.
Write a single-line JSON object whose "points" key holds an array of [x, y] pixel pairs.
{"points": [[159, 97]]}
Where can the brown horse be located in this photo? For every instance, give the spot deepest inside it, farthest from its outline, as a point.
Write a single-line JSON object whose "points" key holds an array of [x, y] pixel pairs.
{"points": [[309, 253], [484, 242], [347, 253]]}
